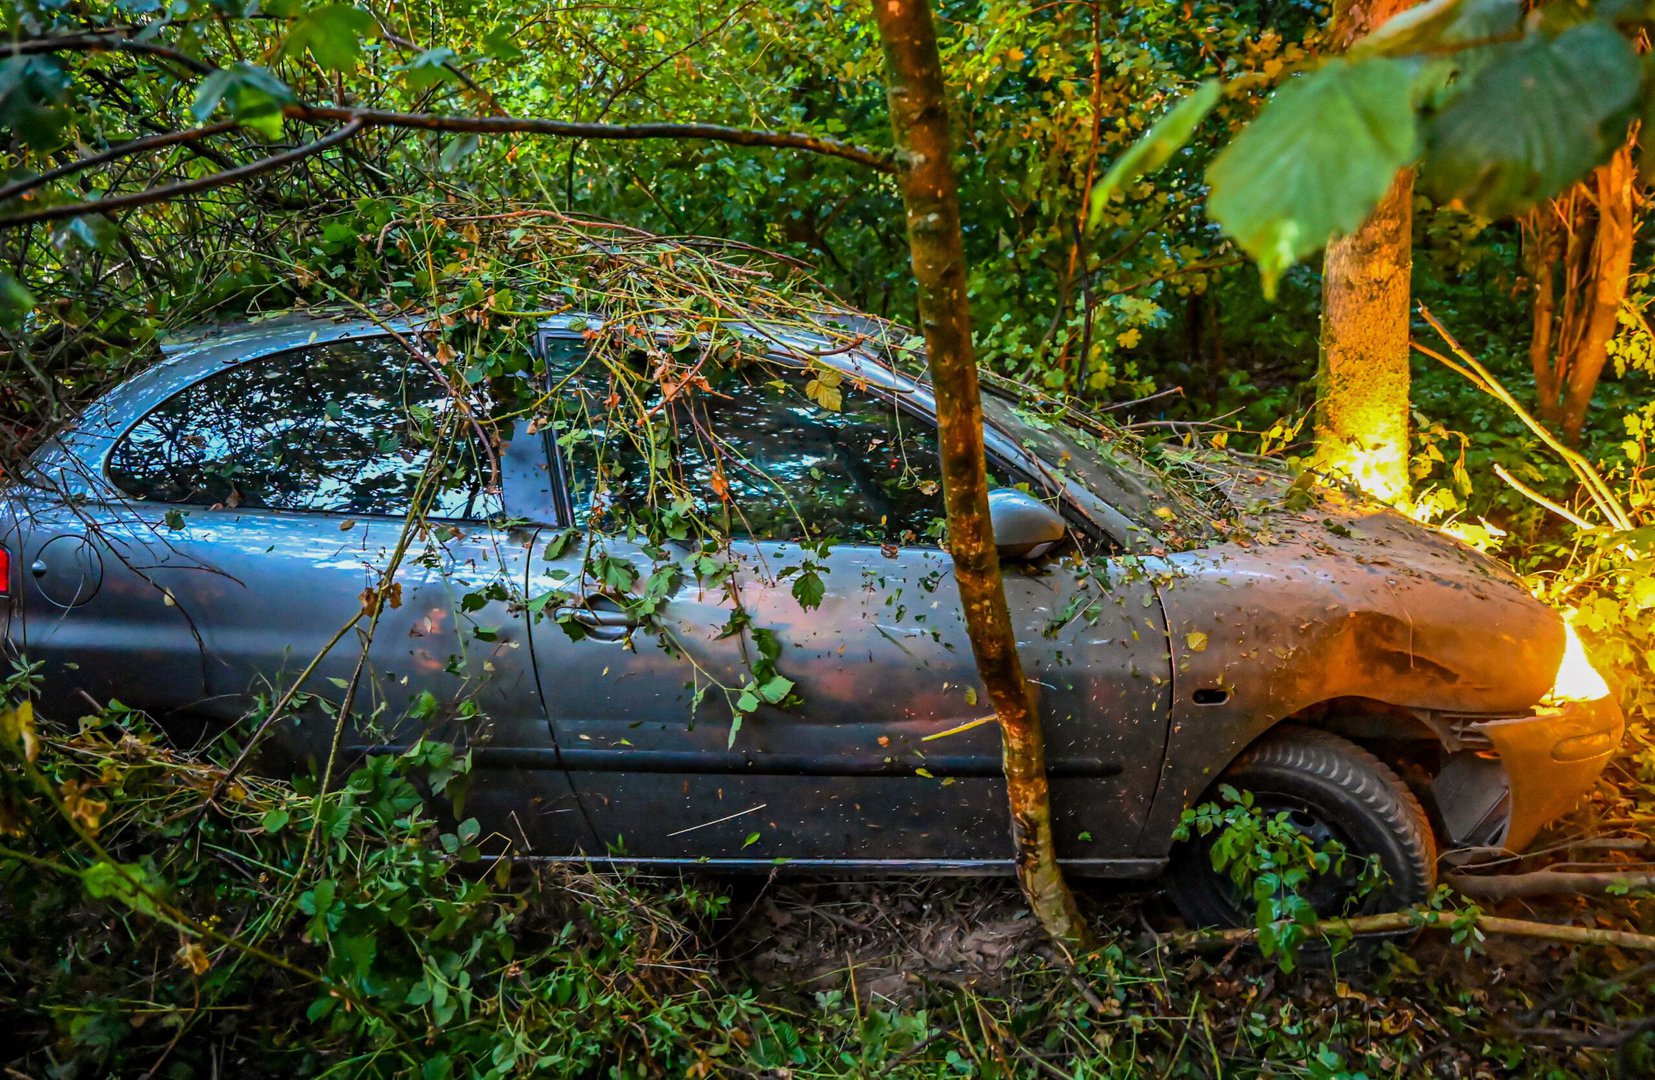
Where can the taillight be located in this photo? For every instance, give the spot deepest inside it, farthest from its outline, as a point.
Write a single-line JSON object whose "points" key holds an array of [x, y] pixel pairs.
{"points": [[5, 572]]}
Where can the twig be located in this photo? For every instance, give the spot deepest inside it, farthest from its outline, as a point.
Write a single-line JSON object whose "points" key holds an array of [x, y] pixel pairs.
{"points": [[1473, 369], [1540, 500]]}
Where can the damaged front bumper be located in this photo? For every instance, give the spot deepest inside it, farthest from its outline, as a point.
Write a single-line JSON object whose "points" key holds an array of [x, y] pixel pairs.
{"points": [[1509, 776]]}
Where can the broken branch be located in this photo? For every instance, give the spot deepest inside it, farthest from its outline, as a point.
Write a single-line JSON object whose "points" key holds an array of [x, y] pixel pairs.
{"points": [[1547, 883]]}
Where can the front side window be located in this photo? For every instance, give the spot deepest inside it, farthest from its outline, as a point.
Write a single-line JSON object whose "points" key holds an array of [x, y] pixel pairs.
{"points": [[752, 456], [348, 427]]}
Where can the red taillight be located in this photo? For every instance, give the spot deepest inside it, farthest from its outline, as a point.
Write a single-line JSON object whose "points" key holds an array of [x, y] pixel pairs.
{"points": [[5, 572]]}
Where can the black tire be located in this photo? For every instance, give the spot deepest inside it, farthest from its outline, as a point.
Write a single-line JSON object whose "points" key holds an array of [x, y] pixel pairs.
{"points": [[1336, 789]]}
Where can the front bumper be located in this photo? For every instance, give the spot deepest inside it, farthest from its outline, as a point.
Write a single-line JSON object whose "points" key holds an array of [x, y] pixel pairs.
{"points": [[1536, 767]]}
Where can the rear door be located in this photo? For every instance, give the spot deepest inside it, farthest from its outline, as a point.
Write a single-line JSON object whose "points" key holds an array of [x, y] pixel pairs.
{"points": [[803, 687]]}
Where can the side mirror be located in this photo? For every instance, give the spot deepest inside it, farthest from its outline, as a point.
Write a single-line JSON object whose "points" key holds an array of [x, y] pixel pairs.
{"points": [[1024, 527]]}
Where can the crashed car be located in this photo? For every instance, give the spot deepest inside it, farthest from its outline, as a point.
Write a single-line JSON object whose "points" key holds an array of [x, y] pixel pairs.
{"points": [[214, 535]]}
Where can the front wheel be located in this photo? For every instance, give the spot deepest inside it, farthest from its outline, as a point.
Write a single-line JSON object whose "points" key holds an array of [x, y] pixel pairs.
{"points": [[1331, 790]]}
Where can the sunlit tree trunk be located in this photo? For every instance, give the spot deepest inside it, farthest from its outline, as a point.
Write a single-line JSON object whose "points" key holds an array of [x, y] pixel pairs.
{"points": [[919, 124], [1578, 251], [1362, 380]]}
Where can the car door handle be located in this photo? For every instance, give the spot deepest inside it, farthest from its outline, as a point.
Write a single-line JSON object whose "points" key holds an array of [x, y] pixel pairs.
{"points": [[603, 618], [597, 618]]}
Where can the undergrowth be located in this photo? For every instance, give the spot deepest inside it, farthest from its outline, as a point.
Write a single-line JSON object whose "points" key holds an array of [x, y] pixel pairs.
{"points": [[147, 930]]}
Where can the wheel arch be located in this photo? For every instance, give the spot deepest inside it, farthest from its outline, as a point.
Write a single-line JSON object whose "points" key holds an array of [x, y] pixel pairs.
{"points": [[1413, 742]]}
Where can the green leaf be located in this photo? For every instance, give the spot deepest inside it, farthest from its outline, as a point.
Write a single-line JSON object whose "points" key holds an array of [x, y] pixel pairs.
{"points": [[457, 150], [251, 94], [132, 884], [333, 34], [429, 68], [1440, 23], [809, 590], [16, 301], [1315, 161], [1533, 119], [775, 689], [1155, 147]]}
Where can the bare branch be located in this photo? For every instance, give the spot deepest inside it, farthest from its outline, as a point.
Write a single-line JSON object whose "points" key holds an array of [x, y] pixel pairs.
{"points": [[1548, 883], [523, 125], [120, 150], [1404, 921], [187, 187], [110, 41]]}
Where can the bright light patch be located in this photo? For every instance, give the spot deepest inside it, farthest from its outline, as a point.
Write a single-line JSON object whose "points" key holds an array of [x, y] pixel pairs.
{"points": [[1577, 680]]}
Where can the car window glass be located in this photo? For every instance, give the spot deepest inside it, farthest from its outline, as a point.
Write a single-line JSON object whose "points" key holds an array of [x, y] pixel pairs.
{"points": [[755, 455], [343, 427]]}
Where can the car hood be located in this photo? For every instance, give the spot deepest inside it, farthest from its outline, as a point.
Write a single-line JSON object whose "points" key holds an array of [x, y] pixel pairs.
{"points": [[1317, 594]]}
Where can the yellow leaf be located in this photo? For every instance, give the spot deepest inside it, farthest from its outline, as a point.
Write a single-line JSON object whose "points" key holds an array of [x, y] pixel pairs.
{"points": [[1196, 640], [194, 957], [1128, 339], [17, 730], [971, 695]]}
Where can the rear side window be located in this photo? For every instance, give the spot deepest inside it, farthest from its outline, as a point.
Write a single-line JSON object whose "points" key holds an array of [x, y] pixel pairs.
{"points": [[349, 427]]}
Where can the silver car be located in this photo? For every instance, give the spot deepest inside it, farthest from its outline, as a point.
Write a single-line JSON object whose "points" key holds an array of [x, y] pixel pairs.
{"points": [[202, 542]]}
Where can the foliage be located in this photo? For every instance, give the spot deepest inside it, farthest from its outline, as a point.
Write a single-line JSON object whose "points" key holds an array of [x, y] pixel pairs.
{"points": [[1271, 863], [201, 933]]}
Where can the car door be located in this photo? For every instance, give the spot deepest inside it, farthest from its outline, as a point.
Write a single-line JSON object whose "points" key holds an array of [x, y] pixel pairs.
{"points": [[819, 591], [241, 523]]}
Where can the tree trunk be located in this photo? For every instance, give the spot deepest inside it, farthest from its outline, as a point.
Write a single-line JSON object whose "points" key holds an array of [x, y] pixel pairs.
{"points": [[919, 125], [1583, 237], [1362, 380]]}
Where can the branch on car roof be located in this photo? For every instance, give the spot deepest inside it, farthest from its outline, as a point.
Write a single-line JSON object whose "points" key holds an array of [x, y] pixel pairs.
{"points": [[119, 150], [188, 187]]}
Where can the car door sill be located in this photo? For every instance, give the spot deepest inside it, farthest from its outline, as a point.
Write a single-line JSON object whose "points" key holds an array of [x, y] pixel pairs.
{"points": [[625, 759]]}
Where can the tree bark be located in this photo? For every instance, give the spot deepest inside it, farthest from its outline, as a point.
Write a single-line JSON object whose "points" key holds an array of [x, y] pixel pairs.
{"points": [[1362, 379], [919, 124], [1583, 237]]}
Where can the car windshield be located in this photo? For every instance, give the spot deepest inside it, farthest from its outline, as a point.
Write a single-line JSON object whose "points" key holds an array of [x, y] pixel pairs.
{"points": [[1107, 461]]}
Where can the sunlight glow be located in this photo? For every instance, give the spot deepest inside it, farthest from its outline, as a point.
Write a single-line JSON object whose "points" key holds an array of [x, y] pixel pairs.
{"points": [[1374, 469], [1577, 679]]}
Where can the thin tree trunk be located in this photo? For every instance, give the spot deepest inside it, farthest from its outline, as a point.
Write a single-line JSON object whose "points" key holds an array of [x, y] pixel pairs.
{"points": [[919, 124], [1611, 263], [1362, 380], [1583, 239]]}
